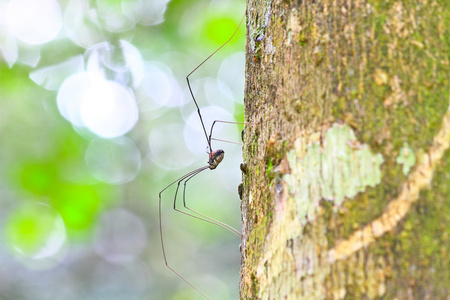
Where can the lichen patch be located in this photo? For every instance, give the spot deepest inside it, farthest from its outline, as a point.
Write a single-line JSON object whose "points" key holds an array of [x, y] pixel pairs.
{"points": [[341, 167]]}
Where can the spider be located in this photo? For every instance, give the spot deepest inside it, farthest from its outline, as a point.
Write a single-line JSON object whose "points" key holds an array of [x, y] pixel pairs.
{"points": [[215, 158]]}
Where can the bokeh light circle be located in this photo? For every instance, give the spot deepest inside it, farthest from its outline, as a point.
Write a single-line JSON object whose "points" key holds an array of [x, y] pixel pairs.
{"points": [[80, 24], [105, 107], [232, 73], [214, 91], [150, 12], [111, 16], [123, 63], [108, 109], [70, 93], [34, 22], [194, 135], [120, 281], [113, 160], [159, 87], [120, 236], [167, 147], [35, 231]]}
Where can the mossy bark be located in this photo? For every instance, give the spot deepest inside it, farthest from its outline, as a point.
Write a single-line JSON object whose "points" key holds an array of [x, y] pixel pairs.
{"points": [[345, 191]]}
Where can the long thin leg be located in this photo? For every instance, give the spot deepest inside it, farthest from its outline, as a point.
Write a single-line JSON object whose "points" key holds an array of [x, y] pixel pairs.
{"points": [[205, 217], [210, 138], [189, 85], [225, 141], [191, 174], [161, 228]]}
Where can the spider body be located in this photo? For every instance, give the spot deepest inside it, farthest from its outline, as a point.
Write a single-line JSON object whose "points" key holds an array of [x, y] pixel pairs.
{"points": [[215, 158]]}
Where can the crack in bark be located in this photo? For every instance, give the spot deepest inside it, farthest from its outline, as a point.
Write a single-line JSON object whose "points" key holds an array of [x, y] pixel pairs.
{"points": [[399, 207]]}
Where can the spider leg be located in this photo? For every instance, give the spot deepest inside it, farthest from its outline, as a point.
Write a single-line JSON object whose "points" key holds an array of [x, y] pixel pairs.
{"points": [[210, 138], [189, 84], [205, 217], [178, 181]]}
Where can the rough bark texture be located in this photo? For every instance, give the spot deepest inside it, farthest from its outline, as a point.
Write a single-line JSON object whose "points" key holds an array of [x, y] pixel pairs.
{"points": [[345, 189]]}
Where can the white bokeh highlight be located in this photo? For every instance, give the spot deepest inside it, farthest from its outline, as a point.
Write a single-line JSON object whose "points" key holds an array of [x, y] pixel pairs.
{"points": [[172, 153], [211, 91], [145, 12], [122, 63], [52, 77], [108, 109], [193, 133], [33, 22], [232, 73], [105, 107], [71, 92], [159, 88], [134, 63], [111, 17], [85, 21], [81, 24]]}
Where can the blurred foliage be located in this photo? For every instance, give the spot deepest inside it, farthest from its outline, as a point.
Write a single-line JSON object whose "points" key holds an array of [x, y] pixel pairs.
{"points": [[43, 171]]}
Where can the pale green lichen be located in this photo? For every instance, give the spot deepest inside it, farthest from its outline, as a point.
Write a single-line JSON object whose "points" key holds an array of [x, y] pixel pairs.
{"points": [[341, 168], [406, 158], [257, 28]]}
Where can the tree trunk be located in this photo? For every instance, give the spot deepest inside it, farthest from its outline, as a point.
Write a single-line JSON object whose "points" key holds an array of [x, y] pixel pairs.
{"points": [[345, 191]]}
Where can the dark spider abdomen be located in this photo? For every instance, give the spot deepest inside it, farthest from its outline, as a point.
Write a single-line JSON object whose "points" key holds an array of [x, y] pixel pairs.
{"points": [[215, 158]]}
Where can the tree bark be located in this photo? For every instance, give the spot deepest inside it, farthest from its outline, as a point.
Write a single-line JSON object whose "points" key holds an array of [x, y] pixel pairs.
{"points": [[345, 192]]}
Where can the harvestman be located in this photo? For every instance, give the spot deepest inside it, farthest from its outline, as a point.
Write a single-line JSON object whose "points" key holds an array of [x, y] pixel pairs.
{"points": [[215, 157]]}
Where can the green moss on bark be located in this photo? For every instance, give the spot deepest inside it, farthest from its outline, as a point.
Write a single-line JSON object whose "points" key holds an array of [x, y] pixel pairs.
{"points": [[383, 69]]}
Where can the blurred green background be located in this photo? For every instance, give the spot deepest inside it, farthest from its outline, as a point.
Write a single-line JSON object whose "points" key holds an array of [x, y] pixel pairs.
{"points": [[82, 166]]}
